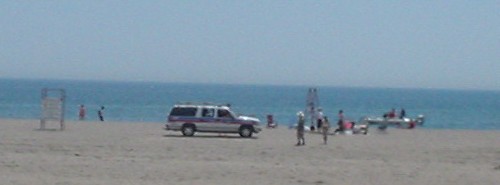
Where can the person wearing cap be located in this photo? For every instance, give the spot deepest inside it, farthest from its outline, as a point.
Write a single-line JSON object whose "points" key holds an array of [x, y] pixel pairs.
{"points": [[300, 129]]}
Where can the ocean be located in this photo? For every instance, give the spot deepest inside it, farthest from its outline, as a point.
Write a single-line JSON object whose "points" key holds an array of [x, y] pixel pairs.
{"points": [[151, 101]]}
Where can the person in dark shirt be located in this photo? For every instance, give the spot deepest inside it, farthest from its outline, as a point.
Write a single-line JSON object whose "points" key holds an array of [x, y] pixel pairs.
{"points": [[402, 114], [100, 113]]}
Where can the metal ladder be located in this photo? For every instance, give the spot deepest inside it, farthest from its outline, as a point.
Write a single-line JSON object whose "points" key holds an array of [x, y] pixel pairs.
{"points": [[312, 105]]}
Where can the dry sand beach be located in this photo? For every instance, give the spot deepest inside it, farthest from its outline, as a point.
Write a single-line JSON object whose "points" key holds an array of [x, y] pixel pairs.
{"points": [[143, 153]]}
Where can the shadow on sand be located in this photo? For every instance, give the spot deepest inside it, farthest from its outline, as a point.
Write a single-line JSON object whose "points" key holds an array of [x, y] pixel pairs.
{"points": [[48, 129], [208, 136]]}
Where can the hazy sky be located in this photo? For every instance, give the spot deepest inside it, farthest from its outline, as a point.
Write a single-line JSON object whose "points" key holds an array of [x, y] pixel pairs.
{"points": [[417, 44]]}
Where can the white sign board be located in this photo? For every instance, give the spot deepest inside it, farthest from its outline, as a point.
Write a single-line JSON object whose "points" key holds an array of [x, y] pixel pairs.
{"points": [[52, 107]]}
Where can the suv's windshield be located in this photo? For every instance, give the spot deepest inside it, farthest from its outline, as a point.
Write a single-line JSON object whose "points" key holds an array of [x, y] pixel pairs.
{"points": [[223, 113]]}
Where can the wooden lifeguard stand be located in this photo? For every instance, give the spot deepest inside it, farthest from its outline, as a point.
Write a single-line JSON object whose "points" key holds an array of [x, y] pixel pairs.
{"points": [[52, 107]]}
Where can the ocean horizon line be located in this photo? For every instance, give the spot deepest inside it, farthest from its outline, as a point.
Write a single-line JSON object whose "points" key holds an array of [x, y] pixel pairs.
{"points": [[249, 84]]}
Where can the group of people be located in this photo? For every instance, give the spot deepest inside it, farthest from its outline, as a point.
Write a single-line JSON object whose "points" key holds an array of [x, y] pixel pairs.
{"points": [[82, 113], [322, 123], [392, 114]]}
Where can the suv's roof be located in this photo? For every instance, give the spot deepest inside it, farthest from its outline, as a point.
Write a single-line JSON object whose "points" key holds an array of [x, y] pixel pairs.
{"points": [[208, 105]]}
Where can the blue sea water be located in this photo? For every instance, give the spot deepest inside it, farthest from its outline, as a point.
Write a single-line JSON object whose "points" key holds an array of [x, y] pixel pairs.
{"points": [[150, 102]]}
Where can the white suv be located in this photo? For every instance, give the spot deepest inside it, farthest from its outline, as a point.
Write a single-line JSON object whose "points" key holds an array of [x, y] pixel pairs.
{"points": [[191, 118]]}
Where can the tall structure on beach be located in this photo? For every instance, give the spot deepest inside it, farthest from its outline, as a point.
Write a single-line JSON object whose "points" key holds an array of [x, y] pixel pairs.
{"points": [[52, 105], [312, 105]]}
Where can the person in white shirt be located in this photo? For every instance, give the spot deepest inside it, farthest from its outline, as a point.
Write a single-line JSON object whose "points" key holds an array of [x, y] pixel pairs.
{"points": [[319, 119]]}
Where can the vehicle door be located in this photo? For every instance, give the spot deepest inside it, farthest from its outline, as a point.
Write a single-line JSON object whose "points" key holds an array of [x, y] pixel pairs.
{"points": [[226, 121], [207, 120]]}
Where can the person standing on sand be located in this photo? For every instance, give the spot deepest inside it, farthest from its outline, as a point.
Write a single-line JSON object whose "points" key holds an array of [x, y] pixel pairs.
{"points": [[100, 113], [319, 119], [340, 122], [324, 127], [300, 129], [82, 112]]}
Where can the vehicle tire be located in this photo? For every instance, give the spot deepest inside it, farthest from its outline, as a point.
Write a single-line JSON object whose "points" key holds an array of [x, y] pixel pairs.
{"points": [[188, 130], [246, 131]]}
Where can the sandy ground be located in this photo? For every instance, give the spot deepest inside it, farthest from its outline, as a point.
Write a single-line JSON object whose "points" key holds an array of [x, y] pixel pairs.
{"points": [[144, 153]]}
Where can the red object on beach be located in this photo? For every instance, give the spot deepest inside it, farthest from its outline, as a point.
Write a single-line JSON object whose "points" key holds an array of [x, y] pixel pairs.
{"points": [[347, 125], [270, 121], [411, 125]]}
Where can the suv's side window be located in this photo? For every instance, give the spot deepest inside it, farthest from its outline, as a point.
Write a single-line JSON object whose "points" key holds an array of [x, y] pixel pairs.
{"points": [[208, 113], [222, 113], [186, 111]]}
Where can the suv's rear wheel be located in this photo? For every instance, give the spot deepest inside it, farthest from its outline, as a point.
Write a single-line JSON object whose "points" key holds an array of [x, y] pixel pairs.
{"points": [[246, 131], [188, 130]]}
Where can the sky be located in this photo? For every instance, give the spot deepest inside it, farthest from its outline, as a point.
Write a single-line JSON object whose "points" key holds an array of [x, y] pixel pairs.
{"points": [[451, 44]]}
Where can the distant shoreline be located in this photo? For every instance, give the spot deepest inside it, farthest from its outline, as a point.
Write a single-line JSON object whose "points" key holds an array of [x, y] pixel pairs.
{"points": [[281, 126]]}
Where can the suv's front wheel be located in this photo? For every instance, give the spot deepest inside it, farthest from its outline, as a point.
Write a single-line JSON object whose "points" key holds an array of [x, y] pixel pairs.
{"points": [[188, 130], [246, 131]]}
